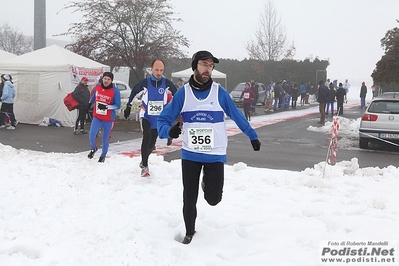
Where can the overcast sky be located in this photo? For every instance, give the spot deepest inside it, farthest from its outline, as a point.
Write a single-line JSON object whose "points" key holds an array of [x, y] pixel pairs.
{"points": [[347, 32]]}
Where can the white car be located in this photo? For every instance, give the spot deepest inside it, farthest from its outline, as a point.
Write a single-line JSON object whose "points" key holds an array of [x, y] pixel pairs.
{"points": [[124, 89], [380, 121], [236, 93]]}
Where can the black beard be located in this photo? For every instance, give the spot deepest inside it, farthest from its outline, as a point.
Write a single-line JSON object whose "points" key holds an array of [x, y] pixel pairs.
{"points": [[199, 78], [200, 87]]}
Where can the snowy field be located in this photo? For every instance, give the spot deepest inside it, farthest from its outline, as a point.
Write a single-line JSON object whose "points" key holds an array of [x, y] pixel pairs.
{"points": [[63, 209]]}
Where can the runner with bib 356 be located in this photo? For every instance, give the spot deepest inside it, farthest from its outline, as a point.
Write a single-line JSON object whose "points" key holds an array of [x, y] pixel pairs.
{"points": [[202, 105]]}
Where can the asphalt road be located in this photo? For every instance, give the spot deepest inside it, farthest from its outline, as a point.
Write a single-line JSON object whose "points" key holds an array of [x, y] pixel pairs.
{"points": [[61, 139], [285, 145], [289, 145]]}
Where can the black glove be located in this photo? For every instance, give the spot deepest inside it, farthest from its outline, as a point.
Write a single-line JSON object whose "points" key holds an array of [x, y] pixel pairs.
{"points": [[127, 112], [102, 106], [255, 144], [88, 107], [175, 131]]}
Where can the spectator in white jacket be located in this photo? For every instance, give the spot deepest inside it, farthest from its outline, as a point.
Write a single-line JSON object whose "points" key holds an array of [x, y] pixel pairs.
{"points": [[7, 98]]}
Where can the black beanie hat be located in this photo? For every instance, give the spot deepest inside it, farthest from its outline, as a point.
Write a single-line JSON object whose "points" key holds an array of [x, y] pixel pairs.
{"points": [[202, 55], [109, 74]]}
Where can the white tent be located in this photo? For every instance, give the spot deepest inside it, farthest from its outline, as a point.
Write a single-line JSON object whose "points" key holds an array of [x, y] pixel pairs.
{"points": [[42, 79], [6, 55], [188, 72]]}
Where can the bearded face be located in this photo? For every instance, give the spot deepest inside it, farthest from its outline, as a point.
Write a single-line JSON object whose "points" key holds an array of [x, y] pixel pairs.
{"points": [[203, 72], [201, 78]]}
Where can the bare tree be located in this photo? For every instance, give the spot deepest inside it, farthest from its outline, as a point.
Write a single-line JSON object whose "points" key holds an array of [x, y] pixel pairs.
{"points": [[290, 52], [126, 32], [269, 43], [12, 41]]}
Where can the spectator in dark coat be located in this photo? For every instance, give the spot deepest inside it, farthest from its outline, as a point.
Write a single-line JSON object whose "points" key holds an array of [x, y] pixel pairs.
{"points": [[286, 95], [295, 94], [322, 99], [277, 96], [341, 97], [82, 95], [281, 102], [255, 89], [363, 92]]}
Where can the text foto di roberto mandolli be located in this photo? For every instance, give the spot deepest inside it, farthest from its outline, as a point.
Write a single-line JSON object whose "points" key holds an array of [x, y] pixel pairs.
{"points": [[359, 252]]}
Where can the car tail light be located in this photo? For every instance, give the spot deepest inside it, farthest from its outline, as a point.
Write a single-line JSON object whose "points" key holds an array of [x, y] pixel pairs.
{"points": [[369, 117]]}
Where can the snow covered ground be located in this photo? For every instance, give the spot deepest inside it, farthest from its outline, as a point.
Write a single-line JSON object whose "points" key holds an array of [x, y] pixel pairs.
{"points": [[63, 209]]}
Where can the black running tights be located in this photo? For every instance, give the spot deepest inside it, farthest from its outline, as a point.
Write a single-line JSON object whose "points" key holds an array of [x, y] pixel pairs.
{"points": [[214, 179], [148, 143]]}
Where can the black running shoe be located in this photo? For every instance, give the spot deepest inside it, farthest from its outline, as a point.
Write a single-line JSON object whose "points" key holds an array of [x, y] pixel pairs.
{"points": [[91, 154], [169, 142], [101, 159], [187, 239]]}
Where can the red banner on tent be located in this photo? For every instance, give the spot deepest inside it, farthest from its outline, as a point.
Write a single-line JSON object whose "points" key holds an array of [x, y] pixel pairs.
{"points": [[93, 74]]}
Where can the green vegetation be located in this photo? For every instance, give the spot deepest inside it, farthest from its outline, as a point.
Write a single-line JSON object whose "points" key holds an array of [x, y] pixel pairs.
{"points": [[261, 71]]}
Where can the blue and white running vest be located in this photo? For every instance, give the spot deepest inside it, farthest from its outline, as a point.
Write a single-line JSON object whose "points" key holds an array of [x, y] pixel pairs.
{"points": [[153, 102], [203, 121]]}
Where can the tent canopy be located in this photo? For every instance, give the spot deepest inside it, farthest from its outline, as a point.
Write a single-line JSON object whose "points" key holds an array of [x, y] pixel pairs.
{"points": [[186, 73], [42, 79], [6, 55], [49, 59]]}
